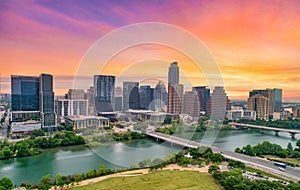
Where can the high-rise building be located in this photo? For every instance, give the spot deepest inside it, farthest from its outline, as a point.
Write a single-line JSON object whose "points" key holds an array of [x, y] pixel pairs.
{"points": [[67, 107], [175, 98], [131, 95], [90, 97], [218, 103], [104, 93], [46, 102], [203, 96], [24, 93], [118, 103], [33, 98], [277, 100], [191, 104], [146, 97], [175, 90], [76, 94], [118, 92], [173, 75], [274, 96], [160, 96], [260, 104]]}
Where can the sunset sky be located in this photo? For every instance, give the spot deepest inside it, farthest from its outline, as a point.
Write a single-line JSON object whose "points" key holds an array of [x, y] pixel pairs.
{"points": [[256, 44]]}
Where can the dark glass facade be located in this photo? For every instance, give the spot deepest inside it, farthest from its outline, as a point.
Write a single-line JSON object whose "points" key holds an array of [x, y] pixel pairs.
{"points": [[24, 93], [104, 93], [47, 100]]}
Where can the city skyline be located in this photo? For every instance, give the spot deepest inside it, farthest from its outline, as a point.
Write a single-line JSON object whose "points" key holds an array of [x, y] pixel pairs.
{"points": [[257, 48]]}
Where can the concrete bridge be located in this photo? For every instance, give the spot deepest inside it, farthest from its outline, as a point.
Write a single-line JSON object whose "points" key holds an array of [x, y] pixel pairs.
{"points": [[258, 163], [292, 132]]}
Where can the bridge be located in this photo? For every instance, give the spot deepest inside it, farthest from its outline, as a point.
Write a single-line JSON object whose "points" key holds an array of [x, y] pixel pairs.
{"points": [[258, 163], [292, 132]]}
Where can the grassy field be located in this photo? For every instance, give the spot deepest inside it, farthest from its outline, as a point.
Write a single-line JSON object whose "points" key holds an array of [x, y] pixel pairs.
{"points": [[286, 160], [162, 180]]}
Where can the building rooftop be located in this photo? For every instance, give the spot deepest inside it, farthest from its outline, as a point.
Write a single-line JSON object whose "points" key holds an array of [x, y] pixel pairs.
{"points": [[78, 118], [27, 126]]}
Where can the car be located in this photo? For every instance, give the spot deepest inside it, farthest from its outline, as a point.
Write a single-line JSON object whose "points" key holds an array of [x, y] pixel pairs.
{"points": [[281, 169]]}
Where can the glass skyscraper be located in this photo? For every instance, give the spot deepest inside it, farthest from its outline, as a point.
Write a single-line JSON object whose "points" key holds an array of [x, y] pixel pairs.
{"points": [[47, 100], [24, 93], [104, 93]]}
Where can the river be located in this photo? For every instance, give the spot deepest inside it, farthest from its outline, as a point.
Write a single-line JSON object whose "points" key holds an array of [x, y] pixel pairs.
{"points": [[78, 159]]}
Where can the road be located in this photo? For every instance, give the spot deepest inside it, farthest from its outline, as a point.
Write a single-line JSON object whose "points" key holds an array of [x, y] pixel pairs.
{"points": [[3, 130], [254, 162]]}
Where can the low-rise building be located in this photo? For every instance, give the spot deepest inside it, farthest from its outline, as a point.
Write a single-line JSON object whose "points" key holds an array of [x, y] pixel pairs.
{"points": [[81, 122], [23, 128]]}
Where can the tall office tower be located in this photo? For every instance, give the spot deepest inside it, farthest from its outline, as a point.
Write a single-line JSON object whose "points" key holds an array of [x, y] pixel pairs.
{"points": [[260, 104], [90, 97], [191, 104], [274, 96], [24, 93], [175, 98], [277, 99], [118, 92], [173, 75], [104, 93], [146, 97], [48, 117], [160, 96], [131, 95], [118, 103], [175, 90], [203, 96], [218, 103], [76, 94], [67, 107], [25, 98]]}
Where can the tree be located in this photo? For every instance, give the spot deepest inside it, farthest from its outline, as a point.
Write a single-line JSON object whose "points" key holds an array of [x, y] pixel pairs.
{"points": [[185, 161], [45, 182], [59, 181], [214, 169], [216, 157], [298, 143], [167, 120], [7, 152], [78, 178], [6, 183], [23, 149], [290, 147]]}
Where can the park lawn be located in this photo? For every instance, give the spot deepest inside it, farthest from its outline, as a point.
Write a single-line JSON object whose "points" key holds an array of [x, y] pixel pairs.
{"points": [[162, 180], [294, 161]]}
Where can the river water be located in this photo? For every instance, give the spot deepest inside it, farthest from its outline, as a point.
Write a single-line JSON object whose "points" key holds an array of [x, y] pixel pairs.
{"points": [[78, 159]]}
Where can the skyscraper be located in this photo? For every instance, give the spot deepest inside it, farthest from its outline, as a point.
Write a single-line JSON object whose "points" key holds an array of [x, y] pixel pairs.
{"points": [[90, 96], [146, 97], [260, 104], [76, 94], [175, 98], [191, 104], [104, 93], [173, 75], [274, 97], [131, 98], [277, 99], [160, 96], [48, 117], [175, 90], [218, 103], [25, 98], [203, 96]]}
